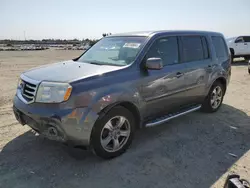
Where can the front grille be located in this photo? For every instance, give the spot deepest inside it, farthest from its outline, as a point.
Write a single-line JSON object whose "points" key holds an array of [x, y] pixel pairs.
{"points": [[29, 91]]}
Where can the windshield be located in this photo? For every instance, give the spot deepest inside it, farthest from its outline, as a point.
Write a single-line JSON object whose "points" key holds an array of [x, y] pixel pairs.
{"points": [[117, 51]]}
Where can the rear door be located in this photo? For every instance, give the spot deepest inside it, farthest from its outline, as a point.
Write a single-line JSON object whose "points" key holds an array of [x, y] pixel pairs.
{"points": [[195, 56], [163, 90]]}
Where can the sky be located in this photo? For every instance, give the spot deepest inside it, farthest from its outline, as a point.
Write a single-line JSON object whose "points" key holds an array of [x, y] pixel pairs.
{"points": [[81, 19]]}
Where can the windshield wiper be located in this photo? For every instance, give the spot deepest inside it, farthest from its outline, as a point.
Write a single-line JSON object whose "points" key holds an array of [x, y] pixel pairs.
{"points": [[94, 63], [102, 63]]}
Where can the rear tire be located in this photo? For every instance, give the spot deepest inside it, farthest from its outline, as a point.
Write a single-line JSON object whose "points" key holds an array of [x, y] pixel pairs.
{"points": [[113, 133], [248, 71], [214, 98]]}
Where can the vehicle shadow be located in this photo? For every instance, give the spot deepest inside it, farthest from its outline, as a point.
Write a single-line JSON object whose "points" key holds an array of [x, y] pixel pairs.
{"points": [[191, 151]]}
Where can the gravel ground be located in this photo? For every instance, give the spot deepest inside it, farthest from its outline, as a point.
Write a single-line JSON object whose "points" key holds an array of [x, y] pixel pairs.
{"points": [[196, 150]]}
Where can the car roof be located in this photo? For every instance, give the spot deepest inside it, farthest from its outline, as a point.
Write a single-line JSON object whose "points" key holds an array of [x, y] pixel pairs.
{"points": [[233, 38], [173, 32]]}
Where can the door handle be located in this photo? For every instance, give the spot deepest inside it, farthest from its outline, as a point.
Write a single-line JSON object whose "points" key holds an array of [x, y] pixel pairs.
{"points": [[245, 43], [179, 74], [210, 67]]}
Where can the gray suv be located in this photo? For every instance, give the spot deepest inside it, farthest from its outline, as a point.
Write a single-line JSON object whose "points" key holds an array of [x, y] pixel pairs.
{"points": [[123, 83]]}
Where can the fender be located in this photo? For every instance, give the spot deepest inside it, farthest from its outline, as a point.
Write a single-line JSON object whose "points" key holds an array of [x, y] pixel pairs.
{"points": [[113, 96], [214, 77], [110, 97]]}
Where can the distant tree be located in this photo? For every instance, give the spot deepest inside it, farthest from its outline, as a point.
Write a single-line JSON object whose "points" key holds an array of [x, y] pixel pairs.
{"points": [[106, 34], [92, 42], [10, 43], [87, 40]]}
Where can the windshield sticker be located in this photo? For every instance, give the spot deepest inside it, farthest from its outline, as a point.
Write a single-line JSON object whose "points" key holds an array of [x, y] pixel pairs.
{"points": [[131, 45]]}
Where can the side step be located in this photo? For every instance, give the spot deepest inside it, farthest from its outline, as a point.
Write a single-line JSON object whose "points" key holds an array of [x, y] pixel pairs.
{"points": [[168, 117]]}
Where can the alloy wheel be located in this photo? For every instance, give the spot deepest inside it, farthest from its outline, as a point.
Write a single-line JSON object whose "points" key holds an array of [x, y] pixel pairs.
{"points": [[216, 97], [115, 133]]}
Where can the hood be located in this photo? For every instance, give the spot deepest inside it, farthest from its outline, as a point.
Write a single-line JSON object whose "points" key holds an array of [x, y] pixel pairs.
{"points": [[68, 71], [230, 40]]}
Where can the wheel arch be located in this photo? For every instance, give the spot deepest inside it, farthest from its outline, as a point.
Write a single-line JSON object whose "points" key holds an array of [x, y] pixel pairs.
{"points": [[223, 81], [232, 51], [126, 104], [129, 106]]}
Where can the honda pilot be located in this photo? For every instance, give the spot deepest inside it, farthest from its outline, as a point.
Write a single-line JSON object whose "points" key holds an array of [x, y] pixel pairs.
{"points": [[123, 83]]}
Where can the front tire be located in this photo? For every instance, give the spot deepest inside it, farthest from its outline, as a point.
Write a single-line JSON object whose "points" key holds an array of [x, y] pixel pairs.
{"points": [[113, 133], [232, 54], [214, 98]]}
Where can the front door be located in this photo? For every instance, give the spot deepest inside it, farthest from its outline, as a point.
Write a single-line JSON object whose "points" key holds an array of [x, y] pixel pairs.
{"points": [[163, 90], [240, 46]]}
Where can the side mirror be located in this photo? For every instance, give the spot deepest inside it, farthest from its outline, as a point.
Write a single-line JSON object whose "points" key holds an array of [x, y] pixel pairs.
{"points": [[154, 63]]}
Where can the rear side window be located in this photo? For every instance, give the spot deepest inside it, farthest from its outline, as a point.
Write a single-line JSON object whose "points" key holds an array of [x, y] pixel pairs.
{"points": [[194, 48], [246, 39], [220, 46]]}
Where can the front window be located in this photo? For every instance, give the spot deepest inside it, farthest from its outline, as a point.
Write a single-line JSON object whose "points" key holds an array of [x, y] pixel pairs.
{"points": [[165, 48], [239, 40], [116, 51]]}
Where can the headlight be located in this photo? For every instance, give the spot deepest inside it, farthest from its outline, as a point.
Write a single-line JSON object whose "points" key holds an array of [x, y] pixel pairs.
{"points": [[53, 92], [19, 83]]}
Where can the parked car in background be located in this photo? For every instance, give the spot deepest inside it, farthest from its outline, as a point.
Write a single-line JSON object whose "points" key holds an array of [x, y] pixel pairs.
{"points": [[122, 83], [239, 46]]}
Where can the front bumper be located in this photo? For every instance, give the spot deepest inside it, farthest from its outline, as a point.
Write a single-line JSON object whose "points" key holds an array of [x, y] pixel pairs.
{"points": [[72, 126]]}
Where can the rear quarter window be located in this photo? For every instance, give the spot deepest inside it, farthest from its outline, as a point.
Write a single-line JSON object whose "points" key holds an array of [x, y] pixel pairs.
{"points": [[220, 46]]}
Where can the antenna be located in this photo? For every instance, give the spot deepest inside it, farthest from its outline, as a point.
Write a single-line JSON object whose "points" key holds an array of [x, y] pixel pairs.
{"points": [[24, 35]]}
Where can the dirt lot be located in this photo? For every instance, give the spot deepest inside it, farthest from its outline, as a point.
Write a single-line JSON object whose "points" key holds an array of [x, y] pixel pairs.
{"points": [[191, 151]]}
